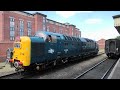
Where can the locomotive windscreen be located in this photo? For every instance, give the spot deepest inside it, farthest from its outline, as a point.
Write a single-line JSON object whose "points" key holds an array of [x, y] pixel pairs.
{"points": [[41, 34]]}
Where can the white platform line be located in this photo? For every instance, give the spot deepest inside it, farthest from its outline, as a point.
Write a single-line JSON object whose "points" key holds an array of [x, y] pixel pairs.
{"points": [[111, 74]]}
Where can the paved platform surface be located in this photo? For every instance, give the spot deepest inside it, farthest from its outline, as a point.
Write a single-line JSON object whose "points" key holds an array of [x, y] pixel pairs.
{"points": [[6, 69], [115, 74]]}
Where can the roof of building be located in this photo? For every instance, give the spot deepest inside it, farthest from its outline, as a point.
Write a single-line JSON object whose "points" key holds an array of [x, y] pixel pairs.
{"points": [[40, 14], [26, 12], [48, 19], [33, 13], [62, 23], [72, 25], [54, 21], [116, 16]]}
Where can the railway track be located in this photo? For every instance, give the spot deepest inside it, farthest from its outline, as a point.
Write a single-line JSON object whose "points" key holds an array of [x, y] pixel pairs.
{"points": [[100, 70], [23, 75]]}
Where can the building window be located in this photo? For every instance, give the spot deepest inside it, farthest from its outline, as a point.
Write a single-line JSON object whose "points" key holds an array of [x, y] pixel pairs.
{"points": [[29, 26], [54, 30], [44, 23], [67, 26], [66, 32], [21, 27], [63, 25], [72, 31], [51, 22], [57, 24], [44, 20], [48, 29], [12, 29], [44, 27], [61, 31], [47, 21], [60, 24]]}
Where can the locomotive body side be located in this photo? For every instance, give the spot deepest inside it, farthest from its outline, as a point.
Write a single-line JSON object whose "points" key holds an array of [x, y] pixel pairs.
{"points": [[47, 48], [89, 47]]}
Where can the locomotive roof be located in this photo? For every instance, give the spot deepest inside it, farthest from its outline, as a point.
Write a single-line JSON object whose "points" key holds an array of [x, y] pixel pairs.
{"points": [[112, 39], [89, 40], [83, 39], [45, 32], [63, 36]]}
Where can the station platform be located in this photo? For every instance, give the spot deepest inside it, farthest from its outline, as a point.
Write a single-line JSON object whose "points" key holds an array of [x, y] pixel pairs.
{"points": [[5, 69], [115, 74]]}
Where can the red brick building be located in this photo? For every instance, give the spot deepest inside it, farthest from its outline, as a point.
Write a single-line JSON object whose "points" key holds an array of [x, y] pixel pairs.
{"points": [[101, 43], [20, 23]]}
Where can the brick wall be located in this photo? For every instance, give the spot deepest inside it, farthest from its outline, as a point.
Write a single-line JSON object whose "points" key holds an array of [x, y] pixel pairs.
{"points": [[101, 43], [17, 17], [1, 26]]}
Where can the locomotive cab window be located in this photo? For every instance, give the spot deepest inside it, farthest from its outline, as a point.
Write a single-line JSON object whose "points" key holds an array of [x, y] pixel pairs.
{"points": [[51, 38], [40, 35]]}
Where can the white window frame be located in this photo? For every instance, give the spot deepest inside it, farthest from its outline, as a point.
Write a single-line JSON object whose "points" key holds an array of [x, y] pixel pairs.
{"points": [[12, 28], [29, 28], [48, 28], [21, 29]]}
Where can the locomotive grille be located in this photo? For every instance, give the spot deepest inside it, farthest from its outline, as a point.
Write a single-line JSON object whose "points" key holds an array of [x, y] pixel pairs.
{"points": [[37, 49]]}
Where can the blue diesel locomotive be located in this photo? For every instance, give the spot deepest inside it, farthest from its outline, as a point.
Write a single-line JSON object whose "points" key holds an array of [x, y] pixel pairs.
{"points": [[49, 48]]}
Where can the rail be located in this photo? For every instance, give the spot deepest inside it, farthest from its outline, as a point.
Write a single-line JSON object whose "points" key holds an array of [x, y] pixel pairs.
{"points": [[93, 67]]}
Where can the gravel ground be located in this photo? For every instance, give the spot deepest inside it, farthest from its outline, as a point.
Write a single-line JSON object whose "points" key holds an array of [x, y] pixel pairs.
{"points": [[69, 71], [99, 71]]}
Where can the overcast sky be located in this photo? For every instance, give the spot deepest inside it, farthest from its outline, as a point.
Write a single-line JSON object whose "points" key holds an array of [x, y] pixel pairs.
{"points": [[95, 25]]}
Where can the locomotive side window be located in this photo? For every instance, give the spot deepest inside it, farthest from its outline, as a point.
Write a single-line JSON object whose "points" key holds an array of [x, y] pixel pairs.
{"points": [[58, 37], [54, 39], [51, 38]]}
